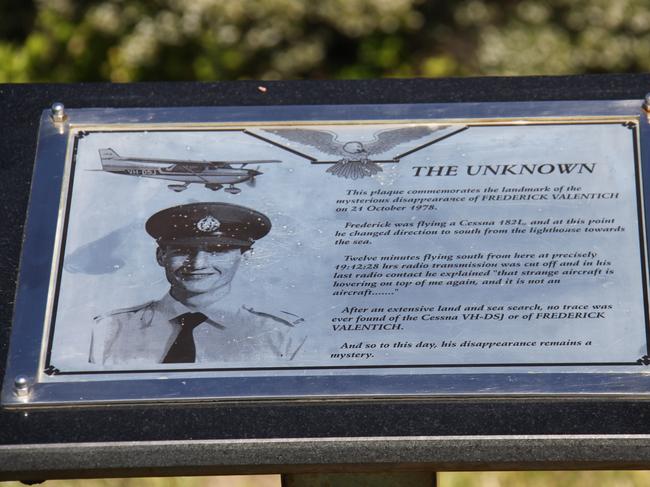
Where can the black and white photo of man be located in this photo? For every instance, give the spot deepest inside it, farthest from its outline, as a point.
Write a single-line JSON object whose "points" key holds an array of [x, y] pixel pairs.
{"points": [[200, 248]]}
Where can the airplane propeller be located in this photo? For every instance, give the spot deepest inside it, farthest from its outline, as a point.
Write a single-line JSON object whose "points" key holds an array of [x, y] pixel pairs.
{"points": [[253, 172]]}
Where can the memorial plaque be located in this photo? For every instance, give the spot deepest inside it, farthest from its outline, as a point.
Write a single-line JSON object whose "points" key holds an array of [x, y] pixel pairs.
{"points": [[292, 252]]}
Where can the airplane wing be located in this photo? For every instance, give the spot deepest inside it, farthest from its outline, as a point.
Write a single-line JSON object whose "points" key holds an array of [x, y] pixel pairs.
{"points": [[256, 161], [243, 164], [180, 162]]}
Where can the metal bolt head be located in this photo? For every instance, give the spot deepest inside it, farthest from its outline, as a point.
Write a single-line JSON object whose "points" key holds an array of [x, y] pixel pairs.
{"points": [[58, 112], [646, 102], [21, 385]]}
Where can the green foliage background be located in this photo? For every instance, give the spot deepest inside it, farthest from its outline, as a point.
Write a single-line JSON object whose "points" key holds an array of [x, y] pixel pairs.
{"points": [[141, 40]]}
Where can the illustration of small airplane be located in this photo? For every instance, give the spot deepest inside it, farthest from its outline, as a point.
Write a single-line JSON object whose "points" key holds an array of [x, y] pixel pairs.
{"points": [[213, 175]]}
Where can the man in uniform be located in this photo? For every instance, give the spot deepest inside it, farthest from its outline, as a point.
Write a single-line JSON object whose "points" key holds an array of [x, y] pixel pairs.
{"points": [[200, 246]]}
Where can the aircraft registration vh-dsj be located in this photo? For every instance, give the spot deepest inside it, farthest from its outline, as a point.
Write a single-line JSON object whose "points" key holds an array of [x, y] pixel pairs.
{"points": [[213, 175]]}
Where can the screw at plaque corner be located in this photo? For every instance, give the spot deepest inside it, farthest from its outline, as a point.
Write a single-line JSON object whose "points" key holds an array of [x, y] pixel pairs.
{"points": [[58, 112], [646, 103], [21, 385]]}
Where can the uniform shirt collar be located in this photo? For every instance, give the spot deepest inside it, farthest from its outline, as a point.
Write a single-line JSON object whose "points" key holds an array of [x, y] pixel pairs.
{"points": [[172, 308]]}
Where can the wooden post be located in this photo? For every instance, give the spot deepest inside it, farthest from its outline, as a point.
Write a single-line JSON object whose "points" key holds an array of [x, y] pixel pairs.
{"points": [[383, 479]]}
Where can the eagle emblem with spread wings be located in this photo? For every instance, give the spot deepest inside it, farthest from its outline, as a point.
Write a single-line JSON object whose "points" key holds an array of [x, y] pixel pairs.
{"points": [[354, 155]]}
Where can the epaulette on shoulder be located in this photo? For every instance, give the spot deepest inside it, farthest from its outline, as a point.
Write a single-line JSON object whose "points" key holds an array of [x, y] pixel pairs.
{"points": [[284, 317], [132, 309]]}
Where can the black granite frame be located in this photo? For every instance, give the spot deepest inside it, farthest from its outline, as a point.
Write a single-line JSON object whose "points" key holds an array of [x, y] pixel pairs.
{"points": [[283, 437]]}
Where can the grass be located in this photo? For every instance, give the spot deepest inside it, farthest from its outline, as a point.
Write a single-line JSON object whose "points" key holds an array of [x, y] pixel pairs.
{"points": [[545, 479]]}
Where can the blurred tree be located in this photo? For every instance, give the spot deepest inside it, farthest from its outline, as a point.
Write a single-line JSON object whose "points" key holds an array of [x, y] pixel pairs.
{"points": [[16, 19], [136, 40], [557, 36]]}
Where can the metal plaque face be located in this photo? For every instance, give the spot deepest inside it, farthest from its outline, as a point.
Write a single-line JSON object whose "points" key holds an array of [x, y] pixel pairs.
{"points": [[334, 251]]}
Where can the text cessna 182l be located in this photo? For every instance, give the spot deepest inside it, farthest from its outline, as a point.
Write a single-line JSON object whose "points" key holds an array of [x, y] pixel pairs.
{"points": [[213, 174]]}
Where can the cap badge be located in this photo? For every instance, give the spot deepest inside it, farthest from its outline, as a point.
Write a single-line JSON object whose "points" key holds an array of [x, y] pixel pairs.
{"points": [[208, 224]]}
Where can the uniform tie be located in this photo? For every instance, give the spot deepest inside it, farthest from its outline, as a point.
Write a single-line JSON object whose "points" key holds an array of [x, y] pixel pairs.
{"points": [[183, 349]]}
